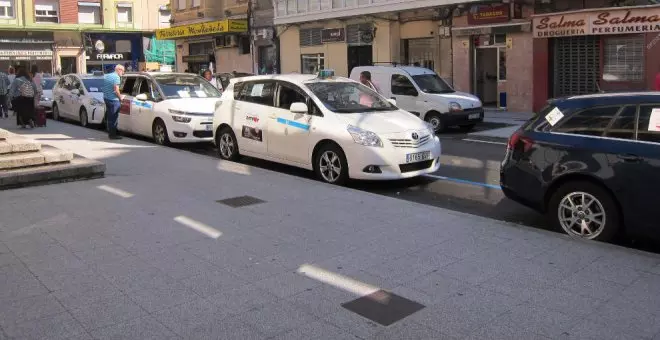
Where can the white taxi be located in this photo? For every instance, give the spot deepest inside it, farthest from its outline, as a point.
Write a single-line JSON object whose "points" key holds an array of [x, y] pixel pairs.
{"points": [[334, 126], [168, 107], [79, 97]]}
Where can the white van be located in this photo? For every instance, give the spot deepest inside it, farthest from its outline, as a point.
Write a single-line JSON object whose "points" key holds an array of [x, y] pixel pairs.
{"points": [[422, 92]]}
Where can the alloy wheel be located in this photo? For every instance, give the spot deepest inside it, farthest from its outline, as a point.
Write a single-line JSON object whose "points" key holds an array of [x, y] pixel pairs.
{"points": [[56, 113], [83, 118], [330, 166], [226, 146], [581, 214], [159, 134]]}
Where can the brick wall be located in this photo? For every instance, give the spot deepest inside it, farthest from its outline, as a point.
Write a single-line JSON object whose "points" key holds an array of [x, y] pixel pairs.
{"points": [[69, 11], [520, 69], [461, 63]]}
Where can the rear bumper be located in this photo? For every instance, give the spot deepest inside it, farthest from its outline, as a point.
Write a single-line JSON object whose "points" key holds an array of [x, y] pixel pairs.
{"points": [[466, 117], [522, 187]]}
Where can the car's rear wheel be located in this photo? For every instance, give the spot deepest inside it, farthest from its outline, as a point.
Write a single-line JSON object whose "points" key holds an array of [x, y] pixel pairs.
{"points": [[159, 133], [227, 144], [330, 164], [56, 112], [84, 119], [585, 210], [435, 120]]}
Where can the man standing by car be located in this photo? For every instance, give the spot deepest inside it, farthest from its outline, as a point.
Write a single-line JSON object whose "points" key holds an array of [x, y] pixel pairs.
{"points": [[4, 94], [112, 97], [365, 79]]}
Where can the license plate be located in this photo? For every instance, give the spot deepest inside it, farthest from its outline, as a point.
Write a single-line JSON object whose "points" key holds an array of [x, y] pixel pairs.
{"points": [[418, 157], [473, 116], [209, 127]]}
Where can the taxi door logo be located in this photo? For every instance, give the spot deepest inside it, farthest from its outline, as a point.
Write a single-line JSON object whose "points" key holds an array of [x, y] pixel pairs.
{"points": [[252, 133]]}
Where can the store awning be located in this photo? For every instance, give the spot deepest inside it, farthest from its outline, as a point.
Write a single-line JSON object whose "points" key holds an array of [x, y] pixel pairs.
{"points": [[205, 28]]}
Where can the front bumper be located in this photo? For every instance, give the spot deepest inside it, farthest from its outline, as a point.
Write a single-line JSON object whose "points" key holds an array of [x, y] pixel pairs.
{"points": [[95, 114], [199, 129], [465, 117], [391, 161]]}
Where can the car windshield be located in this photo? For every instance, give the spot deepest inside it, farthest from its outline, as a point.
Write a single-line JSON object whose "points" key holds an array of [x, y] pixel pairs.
{"points": [[349, 97], [93, 84], [431, 83], [48, 84], [186, 86]]}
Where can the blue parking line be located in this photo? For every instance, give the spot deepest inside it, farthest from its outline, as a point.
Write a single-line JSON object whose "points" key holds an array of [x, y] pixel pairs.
{"points": [[463, 181]]}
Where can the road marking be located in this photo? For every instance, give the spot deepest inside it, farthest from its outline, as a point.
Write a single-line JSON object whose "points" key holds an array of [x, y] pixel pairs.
{"points": [[115, 191], [463, 181], [348, 284], [483, 141], [199, 226]]}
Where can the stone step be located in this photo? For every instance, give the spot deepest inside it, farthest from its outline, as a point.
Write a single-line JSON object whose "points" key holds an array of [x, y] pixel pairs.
{"points": [[15, 143], [29, 159], [3, 134]]}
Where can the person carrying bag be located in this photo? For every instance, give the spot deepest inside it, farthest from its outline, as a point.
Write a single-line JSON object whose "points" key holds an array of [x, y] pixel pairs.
{"points": [[23, 92]]}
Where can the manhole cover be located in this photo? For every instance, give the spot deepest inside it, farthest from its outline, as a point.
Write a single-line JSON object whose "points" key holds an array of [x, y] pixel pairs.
{"points": [[383, 307], [240, 201]]}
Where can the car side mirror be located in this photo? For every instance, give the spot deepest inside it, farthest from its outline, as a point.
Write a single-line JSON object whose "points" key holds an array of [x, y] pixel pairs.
{"points": [[75, 91], [392, 101], [142, 97], [299, 107]]}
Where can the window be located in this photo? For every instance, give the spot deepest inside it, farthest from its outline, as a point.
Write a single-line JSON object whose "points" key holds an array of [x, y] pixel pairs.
{"points": [[258, 93], [402, 86], [89, 13], [289, 95], [310, 37], [127, 86], [6, 8], [312, 63], [176, 86], [623, 59], [623, 126], [196, 3], [244, 44], [349, 97], [181, 4], [46, 11], [93, 84], [501, 66], [432, 83], [124, 13], [646, 132], [591, 122]]}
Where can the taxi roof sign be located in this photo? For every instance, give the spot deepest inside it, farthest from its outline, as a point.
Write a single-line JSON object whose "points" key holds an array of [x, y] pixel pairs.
{"points": [[325, 74]]}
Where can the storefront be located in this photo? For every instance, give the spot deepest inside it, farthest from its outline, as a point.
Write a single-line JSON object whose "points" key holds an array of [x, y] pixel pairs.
{"points": [[604, 49], [23, 49], [106, 50], [69, 52], [267, 53], [226, 42], [489, 41]]}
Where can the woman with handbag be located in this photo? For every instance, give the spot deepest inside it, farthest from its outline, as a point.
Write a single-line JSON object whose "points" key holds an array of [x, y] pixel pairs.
{"points": [[23, 92]]}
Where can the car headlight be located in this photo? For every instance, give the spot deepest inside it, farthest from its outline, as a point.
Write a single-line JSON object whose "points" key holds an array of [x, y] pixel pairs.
{"points": [[364, 137], [45, 99], [454, 106], [96, 102], [180, 119]]}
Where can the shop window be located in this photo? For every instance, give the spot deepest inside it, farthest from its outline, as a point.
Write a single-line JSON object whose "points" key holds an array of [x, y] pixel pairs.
{"points": [[312, 63], [7, 9], [201, 48], [258, 93], [590, 122], [181, 4], [310, 37], [244, 44], [644, 131], [623, 126], [623, 59], [501, 64], [89, 13], [124, 13], [46, 11], [402, 86]]}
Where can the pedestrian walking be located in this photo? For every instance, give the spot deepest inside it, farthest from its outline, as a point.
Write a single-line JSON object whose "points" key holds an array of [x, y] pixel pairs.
{"points": [[4, 95], [22, 92], [112, 97], [37, 77], [11, 75]]}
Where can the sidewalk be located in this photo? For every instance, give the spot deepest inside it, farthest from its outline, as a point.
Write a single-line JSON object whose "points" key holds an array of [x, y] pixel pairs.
{"points": [[149, 253]]}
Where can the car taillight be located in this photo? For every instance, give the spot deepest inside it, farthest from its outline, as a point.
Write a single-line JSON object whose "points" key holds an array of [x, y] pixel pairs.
{"points": [[516, 138]]}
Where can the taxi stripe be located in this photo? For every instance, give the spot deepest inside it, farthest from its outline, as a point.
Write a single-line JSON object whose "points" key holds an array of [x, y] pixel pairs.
{"points": [[293, 124]]}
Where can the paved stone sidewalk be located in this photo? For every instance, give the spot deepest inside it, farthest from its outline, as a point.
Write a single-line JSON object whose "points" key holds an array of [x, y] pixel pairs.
{"points": [[148, 253]]}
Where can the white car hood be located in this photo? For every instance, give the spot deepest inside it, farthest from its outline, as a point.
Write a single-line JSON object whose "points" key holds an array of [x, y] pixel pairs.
{"points": [[96, 95], [384, 122], [194, 105], [466, 100], [47, 94]]}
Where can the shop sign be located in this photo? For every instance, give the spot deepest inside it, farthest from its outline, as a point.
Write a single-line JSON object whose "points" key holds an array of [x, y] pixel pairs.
{"points": [[110, 56], [333, 35], [489, 14], [200, 58], [606, 21], [205, 28], [26, 53]]}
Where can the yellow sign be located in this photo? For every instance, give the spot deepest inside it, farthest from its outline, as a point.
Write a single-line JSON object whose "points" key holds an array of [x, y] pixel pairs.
{"points": [[205, 28], [509, 42]]}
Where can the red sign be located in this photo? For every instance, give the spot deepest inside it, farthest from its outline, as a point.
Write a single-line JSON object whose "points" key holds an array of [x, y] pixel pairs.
{"points": [[125, 107], [489, 14]]}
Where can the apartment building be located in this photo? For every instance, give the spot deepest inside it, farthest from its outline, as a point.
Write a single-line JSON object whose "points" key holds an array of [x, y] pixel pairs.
{"points": [[71, 36]]}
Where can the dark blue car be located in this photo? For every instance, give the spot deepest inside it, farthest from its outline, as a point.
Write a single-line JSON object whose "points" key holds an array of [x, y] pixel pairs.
{"points": [[591, 163]]}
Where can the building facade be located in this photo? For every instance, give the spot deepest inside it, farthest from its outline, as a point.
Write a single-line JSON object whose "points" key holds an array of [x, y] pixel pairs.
{"points": [[71, 36]]}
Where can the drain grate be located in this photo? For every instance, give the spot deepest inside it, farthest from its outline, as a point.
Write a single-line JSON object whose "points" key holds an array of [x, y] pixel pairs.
{"points": [[383, 307], [241, 201]]}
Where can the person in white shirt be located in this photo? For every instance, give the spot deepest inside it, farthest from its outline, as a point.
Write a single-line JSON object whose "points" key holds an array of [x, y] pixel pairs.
{"points": [[365, 79], [36, 79]]}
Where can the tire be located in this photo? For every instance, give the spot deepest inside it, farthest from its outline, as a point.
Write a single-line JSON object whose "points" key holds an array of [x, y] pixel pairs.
{"points": [[435, 119], [84, 118], [330, 165], [227, 144], [468, 128], [159, 133], [602, 216], [56, 112]]}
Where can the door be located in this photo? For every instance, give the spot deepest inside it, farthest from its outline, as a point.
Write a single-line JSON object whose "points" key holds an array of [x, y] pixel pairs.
{"points": [[61, 94], [486, 73], [359, 56], [252, 106], [142, 112], [68, 65], [405, 94], [75, 100], [288, 132], [127, 88]]}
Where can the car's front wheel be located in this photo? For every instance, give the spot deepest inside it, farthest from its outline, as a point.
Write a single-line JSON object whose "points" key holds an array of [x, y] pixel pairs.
{"points": [[330, 164], [56, 112], [159, 133], [435, 119], [585, 210], [227, 145], [84, 119]]}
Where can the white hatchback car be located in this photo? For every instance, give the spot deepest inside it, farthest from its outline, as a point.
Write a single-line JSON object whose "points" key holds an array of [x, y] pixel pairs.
{"points": [[79, 97], [168, 107], [334, 126]]}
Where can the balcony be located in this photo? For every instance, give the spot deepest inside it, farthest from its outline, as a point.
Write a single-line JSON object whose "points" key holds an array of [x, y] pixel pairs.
{"points": [[297, 11]]}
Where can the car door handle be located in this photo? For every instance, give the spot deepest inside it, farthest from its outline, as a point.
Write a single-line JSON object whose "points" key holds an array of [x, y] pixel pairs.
{"points": [[629, 157]]}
